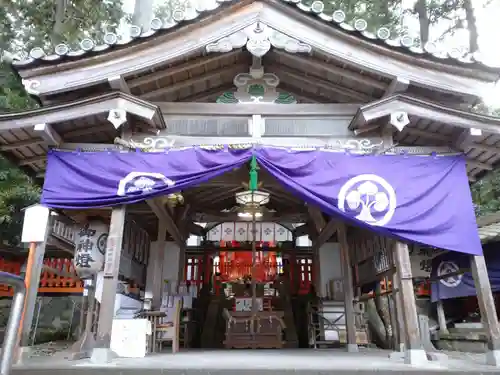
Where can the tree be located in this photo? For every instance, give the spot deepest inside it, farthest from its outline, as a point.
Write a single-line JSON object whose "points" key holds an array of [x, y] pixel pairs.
{"points": [[25, 24]]}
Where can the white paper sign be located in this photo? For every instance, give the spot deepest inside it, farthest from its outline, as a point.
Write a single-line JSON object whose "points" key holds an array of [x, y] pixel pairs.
{"points": [[36, 219]]}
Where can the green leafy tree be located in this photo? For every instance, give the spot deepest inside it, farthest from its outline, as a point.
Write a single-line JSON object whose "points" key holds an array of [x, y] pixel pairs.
{"points": [[25, 24]]}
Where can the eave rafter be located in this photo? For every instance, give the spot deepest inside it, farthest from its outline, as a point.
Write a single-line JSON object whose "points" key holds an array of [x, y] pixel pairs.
{"points": [[115, 101], [423, 109]]}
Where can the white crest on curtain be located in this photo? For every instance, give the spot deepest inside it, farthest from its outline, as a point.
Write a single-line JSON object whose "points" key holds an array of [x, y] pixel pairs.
{"points": [[370, 196]]}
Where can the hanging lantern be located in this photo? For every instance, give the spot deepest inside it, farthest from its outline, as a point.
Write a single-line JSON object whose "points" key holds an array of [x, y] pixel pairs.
{"points": [[90, 249]]}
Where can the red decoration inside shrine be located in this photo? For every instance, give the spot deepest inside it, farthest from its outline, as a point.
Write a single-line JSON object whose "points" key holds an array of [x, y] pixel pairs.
{"points": [[236, 265]]}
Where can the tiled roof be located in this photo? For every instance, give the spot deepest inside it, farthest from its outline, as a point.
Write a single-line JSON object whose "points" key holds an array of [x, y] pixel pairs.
{"points": [[432, 51]]}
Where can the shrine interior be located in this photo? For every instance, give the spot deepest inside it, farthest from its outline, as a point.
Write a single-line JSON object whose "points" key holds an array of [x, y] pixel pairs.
{"points": [[240, 261], [221, 271]]}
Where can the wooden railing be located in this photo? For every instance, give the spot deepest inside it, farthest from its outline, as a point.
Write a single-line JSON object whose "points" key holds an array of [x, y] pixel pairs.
{"points": [[64, 230], [51, 280]]}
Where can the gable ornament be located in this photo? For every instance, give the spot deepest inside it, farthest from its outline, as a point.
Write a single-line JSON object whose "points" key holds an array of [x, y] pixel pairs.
{"points": [[258, 39]]}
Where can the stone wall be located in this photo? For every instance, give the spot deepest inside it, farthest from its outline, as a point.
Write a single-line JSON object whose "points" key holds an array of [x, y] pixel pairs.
{"points": [[55, 318]]}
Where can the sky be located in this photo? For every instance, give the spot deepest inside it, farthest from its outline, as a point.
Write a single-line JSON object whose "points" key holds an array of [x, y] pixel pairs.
{"points": [[487, 20]]}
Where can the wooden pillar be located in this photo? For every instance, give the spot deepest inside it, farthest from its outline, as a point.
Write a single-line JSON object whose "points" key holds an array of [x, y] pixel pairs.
{"points": [[34, 267], [391, 301], [487, 308], [181, 278], [345, 261], [441, 317], [398, 304], [154, 277], [414, 353], [102, 352]]}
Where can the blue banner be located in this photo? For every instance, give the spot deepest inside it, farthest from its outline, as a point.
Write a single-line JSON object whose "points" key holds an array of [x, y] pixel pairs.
{"points": [[462, 285]]}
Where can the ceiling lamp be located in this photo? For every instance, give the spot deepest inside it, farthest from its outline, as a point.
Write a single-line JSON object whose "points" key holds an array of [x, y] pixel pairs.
{"points": [[252, 197], [248, 215]]}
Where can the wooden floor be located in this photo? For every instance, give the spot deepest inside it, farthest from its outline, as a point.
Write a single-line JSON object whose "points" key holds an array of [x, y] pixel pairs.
{"points": [[259, 362]]}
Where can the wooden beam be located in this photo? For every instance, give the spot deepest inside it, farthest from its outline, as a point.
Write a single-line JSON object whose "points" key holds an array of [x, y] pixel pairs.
{"points": [[480, 165], [193, 81], [157, 206], [32, 160], [220, 217], [302, 230], [398, 85], [329, 68], [21, 144], [46, 132], [196, 229], [415, 353], [172, 110], [480, 147], [118, 83], [308, 79], [304, 93], [487, 309], [426, 134], [425, 110], [167, 72], [102, 352], [205, 95], [347, 282], [317, 217], [80, 109], [327, 232]]}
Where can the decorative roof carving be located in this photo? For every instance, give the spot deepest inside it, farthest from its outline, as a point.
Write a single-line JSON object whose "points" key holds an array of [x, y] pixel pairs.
{"points": [[193, 11], [256, 86], [258, 39]]}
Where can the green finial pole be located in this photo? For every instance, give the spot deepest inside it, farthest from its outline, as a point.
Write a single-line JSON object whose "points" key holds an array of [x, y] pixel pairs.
{"points": [[253, 174]]}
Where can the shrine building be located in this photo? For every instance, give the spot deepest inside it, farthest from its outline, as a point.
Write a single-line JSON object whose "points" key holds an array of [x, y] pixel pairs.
{"points": [[255, 168]]}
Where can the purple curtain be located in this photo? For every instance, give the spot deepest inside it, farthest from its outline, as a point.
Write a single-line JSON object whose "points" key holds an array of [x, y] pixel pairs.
{"points": [[462, 285], [77, 180], [422, 199], [418, 198]]}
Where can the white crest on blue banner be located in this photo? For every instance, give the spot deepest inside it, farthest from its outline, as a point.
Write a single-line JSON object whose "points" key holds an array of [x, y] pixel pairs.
{"points": [[446, 267], [371, 196], [142, 182]]}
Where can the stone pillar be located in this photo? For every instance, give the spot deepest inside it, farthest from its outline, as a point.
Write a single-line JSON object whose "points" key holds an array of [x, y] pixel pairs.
{"points": [[345, 261], [487, 307], [102, 352], [154, 277], [415, 353]]}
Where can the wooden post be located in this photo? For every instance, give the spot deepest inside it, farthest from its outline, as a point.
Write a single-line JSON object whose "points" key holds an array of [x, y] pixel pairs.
{"points": [[154, 277], [398, 304], [34, 267], [350, 322], [414, 353], [391, 302], [102, 352], [487, 307], [441, 317]]}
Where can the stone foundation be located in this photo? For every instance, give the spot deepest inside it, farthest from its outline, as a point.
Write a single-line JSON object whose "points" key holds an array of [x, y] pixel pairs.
{"points": [[58, 318]]}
